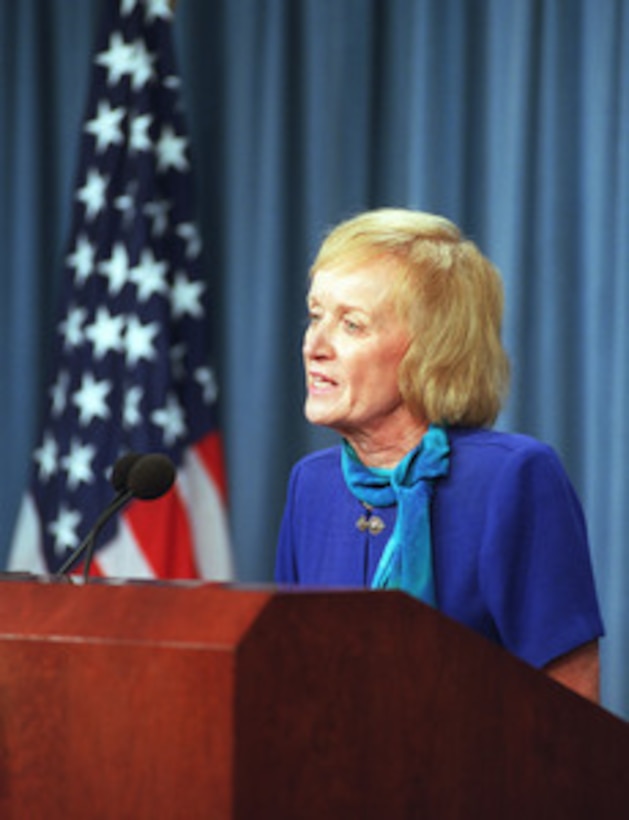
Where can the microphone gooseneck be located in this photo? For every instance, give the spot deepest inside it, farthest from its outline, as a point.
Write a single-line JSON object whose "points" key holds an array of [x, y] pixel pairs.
{"points": [[90, 541]]}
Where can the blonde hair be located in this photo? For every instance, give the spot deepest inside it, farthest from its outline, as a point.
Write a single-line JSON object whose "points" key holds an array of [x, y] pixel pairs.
{"points": [[455, 370]]}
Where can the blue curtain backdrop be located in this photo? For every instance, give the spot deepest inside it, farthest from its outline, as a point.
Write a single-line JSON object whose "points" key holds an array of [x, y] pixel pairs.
{"points": [[512, 118]]}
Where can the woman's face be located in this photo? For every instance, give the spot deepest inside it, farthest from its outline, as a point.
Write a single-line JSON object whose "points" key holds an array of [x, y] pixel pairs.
{"points": [[352, 349]]}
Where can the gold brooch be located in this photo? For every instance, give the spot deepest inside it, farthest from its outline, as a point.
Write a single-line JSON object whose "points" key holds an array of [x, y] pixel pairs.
{"points": [[373, 523]]}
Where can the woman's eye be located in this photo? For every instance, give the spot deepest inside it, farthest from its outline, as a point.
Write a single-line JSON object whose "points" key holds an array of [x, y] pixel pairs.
{"points": [[352, 326]]}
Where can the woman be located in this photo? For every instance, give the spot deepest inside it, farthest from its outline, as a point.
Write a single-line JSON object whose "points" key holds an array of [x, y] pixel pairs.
{"points": [[403, 359]]}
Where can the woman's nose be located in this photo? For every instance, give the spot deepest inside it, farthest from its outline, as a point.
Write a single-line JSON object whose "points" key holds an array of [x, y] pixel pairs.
{"points": [[317, 342]]}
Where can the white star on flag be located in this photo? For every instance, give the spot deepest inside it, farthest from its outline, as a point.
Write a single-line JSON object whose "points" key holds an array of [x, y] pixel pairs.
{"points": [[47, 457], [116, 268], [189, 232], [125, 203], [82, 259], [64, 530], [59, 393], [105, 333], [139, 139], [186, 296], [117, 59], [139, 340], [171, 419], [91, 399], [78, 463], [142, 70], [93, 193], [170, 149], [131, 415], [206, 378], [158, 213], [71, 328], [106, 126], [149, 276], [127, 6], [158, 9], [172, 83]]}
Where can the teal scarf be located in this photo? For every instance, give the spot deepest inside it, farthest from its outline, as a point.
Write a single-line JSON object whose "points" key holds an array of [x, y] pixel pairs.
{"points": [[406, 561]]}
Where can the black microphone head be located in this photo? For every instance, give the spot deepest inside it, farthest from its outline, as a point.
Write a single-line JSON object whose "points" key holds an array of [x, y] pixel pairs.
{"points": [[151, 476], [121, 470]]}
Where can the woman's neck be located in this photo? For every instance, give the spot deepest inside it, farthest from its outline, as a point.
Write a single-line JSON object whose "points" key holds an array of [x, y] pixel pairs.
{"points": [[383, 451]]}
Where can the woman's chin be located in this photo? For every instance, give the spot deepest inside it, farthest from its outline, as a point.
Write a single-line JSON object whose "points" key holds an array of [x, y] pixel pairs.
{"points": [[319, 413]]}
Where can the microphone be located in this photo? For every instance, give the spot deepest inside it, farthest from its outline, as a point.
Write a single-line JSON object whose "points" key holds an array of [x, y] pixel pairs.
{"points": [[133, 476], [119, 475], [151, 476], [121, 469]]}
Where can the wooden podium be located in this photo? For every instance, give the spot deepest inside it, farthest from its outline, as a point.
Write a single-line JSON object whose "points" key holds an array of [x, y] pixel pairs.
{"points": [[146, 700]]}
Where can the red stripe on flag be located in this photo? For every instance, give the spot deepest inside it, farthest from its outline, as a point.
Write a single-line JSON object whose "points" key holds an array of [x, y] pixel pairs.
{"points": [[210, 451], [162, 531], [95, 570]]}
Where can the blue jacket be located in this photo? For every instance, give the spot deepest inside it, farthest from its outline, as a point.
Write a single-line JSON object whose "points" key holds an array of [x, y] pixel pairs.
{"points": [[510, 548]]}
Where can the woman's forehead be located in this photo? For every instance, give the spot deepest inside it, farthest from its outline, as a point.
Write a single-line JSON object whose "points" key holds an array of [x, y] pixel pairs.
{"points": [[366, 283]]}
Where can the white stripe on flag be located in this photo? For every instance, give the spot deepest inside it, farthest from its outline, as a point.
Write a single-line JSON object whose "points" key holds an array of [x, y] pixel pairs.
{"points": [[26, 553], [122, 557], [207, 517]]}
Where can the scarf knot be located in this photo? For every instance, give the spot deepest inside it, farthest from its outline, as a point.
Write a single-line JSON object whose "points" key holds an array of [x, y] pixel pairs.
{"points": [[406, 562]]}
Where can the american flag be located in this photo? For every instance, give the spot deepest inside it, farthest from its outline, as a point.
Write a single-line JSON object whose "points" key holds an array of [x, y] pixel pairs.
{"points": [[132, 352]]}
